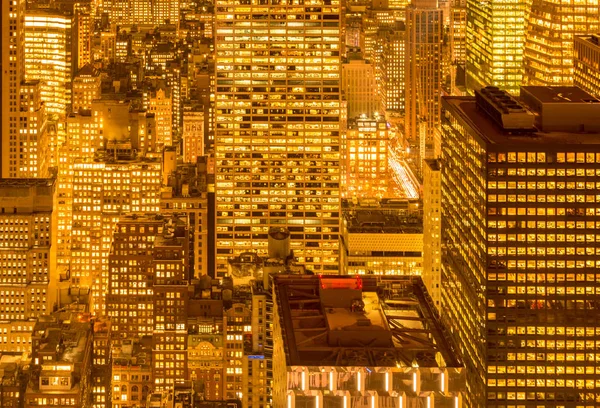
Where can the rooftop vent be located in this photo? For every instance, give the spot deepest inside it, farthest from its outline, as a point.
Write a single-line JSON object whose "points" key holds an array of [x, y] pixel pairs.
{"points": [[504, 110]]}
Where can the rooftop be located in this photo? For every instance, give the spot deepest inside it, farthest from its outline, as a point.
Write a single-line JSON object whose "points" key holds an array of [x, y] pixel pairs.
{"points": [[377, 321], [467, 109], [380, 221], [559, 94], [133, 353], [27, 182], [87, 70], [64, 334]]}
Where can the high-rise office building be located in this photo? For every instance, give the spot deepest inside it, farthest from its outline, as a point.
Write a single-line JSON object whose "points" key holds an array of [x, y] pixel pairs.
{"points": [[148, 291], [494, 43], [51, 56], [390, 58], [115, 182], [185, 191], [277, 136], [32, 156], [140, 12], [12, 13], [551, 29], [458, 31], [119, 11], [519, 258], [238, 329], [432, 223], [373, 20], [27, 258], [170, 304], [129, 302], [423, 73], [102, 364], [586, 73], [83, 11], [381, 238], [359, 87], [79, 143], [457, 44]]}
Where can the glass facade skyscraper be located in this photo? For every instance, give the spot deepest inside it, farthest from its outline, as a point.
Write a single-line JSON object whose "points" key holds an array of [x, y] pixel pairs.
{"points": [[494, 43], [553, 26]]}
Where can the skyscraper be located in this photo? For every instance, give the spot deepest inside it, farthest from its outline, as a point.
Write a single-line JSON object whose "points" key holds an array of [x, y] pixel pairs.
{"points": [[519, 245], [390, 59], [551, 30], [115, 182], [32, 156], [278, 127], [11, 26], [432, 222], [50, 56], [27, 258], [359, 88], [423, 72], [494, 43]]}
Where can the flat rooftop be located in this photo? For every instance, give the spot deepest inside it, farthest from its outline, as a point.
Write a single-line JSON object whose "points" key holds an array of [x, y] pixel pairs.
{"points": [[375, 321], [27, 182], [380, 221], [466, 108], [559, 94], [133, 353]]}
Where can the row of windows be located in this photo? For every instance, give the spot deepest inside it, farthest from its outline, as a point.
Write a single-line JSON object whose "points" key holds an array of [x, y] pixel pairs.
{"points": [[543, 172], [542, 157], [542, 198], [542, 185]]}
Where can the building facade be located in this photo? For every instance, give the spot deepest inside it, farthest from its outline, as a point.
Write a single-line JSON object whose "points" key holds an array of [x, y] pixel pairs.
{"points": [[86, 88], [27, 258], [494, 25], [117, 182], [51, 56], [586, 74], [129, 301], [382, 239], [423, 74], [31, 159], [552, 27], [12, 15], [519, 282], [365, 158], [277, 136], [359, 88], [432, 223]]}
